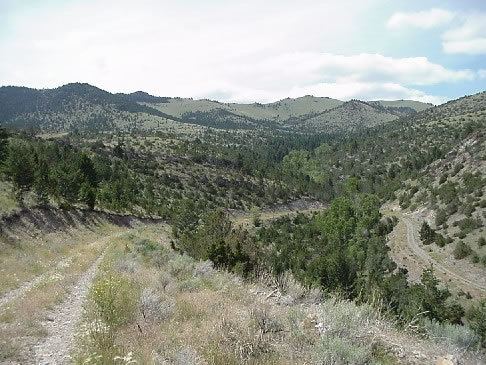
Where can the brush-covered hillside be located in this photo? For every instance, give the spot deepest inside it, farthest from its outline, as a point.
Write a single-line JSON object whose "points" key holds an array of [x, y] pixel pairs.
{"points": [[82, 107], [448, 201], [270, 242], [75, 107]]}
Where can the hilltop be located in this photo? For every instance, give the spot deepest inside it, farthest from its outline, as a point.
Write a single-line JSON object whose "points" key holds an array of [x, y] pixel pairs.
{"points": [[85, 107]]}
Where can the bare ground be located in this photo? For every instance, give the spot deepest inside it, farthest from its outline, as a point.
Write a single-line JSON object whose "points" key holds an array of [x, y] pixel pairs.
{"points": [[408, 252], [62, 322]]}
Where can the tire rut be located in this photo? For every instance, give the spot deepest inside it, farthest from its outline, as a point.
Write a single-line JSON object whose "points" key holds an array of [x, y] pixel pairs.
{"points": [[25, 287], [61, 326]]}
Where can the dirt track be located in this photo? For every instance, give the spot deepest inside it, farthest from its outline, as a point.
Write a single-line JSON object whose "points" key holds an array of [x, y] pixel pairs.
{"points": [[408, 252]]}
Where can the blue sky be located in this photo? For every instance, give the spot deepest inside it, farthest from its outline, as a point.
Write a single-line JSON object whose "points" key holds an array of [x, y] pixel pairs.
{"points": [[250, 50]]}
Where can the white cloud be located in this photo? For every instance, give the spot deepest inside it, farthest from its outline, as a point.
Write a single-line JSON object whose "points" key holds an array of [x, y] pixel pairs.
{"points": [[469, 37], [367, 76], [220, 49], [482, 74], [425, 19]]}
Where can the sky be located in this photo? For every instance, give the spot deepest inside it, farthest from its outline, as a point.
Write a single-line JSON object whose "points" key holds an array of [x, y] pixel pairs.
{"points": [[249, 51]]}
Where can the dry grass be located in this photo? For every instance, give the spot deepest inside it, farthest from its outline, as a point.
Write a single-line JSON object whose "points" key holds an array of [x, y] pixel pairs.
{"points": [[151, 305], [21, 318], [27, 257], [189, 313]]}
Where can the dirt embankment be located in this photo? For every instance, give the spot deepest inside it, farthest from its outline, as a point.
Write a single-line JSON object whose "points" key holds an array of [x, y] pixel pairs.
{"points": [[50, 219]]}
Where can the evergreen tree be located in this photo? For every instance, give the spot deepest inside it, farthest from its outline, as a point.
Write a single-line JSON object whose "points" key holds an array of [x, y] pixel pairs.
{"points": [[18, 167], [427, 234]]}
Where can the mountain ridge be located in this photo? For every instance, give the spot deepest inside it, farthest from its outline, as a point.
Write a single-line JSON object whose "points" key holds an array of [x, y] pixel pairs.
{"points": [[81, 106]]}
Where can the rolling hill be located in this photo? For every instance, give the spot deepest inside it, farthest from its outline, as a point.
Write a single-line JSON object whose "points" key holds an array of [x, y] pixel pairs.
{"points": [[234, 258], [83, 107]]}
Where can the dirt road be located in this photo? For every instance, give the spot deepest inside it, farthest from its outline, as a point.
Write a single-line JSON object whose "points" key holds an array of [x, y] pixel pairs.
{"points": [[414, 246], [407, 251]]}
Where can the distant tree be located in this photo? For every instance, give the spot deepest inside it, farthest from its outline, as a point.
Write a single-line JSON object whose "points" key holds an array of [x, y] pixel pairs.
{"points": [[352, 186], [42, 180], [256, 216], [68, 181], [3, 145], [427, 234], [88, 170], [87, 195], [118, 151], [18, 167]]}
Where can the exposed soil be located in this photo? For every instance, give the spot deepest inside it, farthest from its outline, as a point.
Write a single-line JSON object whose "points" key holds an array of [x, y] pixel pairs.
{"points": [[408, 252], [62, 323]]}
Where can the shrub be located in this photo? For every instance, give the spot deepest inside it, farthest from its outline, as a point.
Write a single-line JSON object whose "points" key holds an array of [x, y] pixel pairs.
{"points": [[145, 246], [461, 235], [458, 336], [461, 250], [443, 178], [469, 224], [475, 258], [468, 210], [441, 217], [203, 269], [476, 317], [266, 321], [452, 207], [181, 266], [337, 350], [448, 192], [115, 298], [481, 241], [188, 356], [154, 307], [440, 240]]}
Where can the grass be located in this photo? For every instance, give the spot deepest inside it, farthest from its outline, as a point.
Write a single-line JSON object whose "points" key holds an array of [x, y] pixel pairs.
{"points": [[8, 204], [149, 304], [28, 257], [189, 313], [21, 319]]}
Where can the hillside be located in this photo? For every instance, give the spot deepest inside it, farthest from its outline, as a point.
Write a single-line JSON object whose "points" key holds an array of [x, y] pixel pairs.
{"points": [[76, 107], [349, 116], [449, 196], [82, 107], [132, 285], [277, 111], [347, 279]]}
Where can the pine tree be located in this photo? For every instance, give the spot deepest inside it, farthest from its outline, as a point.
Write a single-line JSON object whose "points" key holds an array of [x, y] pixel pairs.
{"points": [[427, 234], [18, 167]]}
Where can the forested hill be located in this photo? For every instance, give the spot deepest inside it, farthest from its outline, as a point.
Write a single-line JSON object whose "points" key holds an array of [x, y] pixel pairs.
{"points": [[195, 178], [72, 106], [83, 107]]}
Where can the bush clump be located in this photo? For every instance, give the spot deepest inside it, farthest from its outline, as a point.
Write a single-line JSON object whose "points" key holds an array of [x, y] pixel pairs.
{"points": [[461, 250], [115, 299]]}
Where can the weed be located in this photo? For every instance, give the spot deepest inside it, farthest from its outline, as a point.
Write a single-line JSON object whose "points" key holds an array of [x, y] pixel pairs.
{"points": [[459, 337], [337, 350], [153, 306], [115, 298]]}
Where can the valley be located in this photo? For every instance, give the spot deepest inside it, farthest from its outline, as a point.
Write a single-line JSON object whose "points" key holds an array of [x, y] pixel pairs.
{"points": [[147, 229]]}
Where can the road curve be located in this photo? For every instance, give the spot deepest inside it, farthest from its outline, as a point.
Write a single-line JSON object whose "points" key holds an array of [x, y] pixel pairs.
{"points": [[423, 255]]}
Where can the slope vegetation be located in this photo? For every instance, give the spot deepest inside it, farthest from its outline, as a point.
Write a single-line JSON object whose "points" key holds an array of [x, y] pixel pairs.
{"points": [[82, 107]]}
